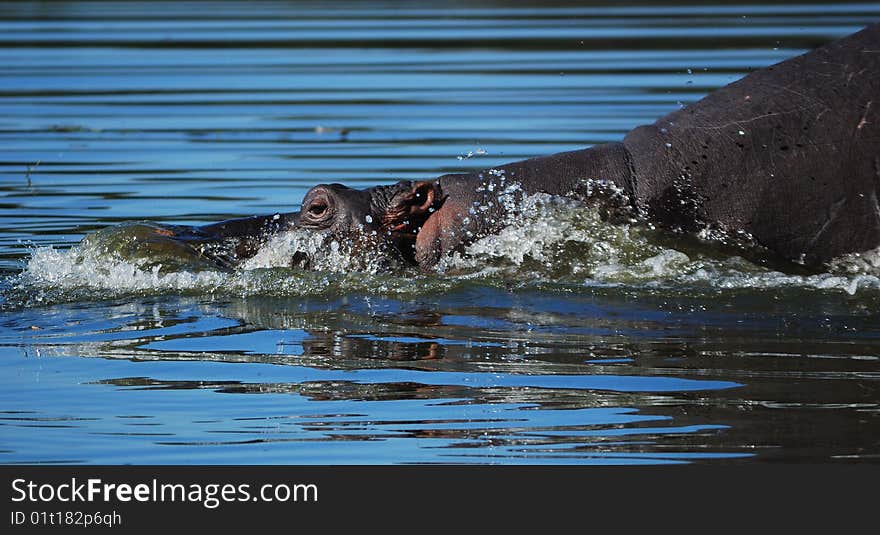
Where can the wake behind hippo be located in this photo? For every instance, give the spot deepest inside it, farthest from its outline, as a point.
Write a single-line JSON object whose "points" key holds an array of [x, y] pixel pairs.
{"points": [[789, 155]]}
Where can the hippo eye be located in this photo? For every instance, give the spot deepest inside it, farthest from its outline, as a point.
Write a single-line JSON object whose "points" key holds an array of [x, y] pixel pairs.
{"points": [[317, 208]]}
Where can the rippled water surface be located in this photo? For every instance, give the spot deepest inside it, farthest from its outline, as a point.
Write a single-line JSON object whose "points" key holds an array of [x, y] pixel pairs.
{"points": [[564, 339]]}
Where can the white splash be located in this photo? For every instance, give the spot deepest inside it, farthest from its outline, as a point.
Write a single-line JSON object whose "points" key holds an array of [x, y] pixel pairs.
{"points": [[92, 270], [558, 240], [87, 268], [471, 153], [324, 253], [542, 240]]}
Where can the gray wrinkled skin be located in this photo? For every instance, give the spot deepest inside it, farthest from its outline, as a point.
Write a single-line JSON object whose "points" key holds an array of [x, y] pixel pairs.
{"points": [[789, 155]]}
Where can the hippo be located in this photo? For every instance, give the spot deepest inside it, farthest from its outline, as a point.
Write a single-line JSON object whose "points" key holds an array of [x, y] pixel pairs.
{"points": [[788, 155], [382, 220]]}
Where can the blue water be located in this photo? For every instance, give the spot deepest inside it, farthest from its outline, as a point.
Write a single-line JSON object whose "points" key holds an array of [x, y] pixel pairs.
{"points": [[646, 350]]}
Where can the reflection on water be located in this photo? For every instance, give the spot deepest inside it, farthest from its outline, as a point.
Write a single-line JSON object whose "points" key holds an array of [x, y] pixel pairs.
{"points": [[462, 399], [606, 344], [533, 383]]}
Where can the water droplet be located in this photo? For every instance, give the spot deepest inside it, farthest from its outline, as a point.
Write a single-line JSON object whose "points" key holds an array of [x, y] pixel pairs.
{"points": [[369, 218]]}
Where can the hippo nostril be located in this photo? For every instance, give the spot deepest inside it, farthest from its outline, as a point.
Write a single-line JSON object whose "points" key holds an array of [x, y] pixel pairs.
{"points": [[300, 260]]}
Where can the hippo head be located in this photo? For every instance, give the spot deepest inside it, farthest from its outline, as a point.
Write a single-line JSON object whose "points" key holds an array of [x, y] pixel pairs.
{"points": [[416, 222], [427, 220], [381, 220]]}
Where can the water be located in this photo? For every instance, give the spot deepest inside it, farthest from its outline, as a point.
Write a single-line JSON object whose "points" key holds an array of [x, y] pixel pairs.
{"points": [[565, 339]]}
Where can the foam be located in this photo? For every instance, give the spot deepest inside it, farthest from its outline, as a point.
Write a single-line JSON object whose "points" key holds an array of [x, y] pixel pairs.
{"points": [[543, 239], [555, 240]]}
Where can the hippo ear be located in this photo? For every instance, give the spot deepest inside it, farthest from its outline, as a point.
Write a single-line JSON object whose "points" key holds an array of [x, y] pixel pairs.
{"points": [[411, 206], [422, 197]]}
